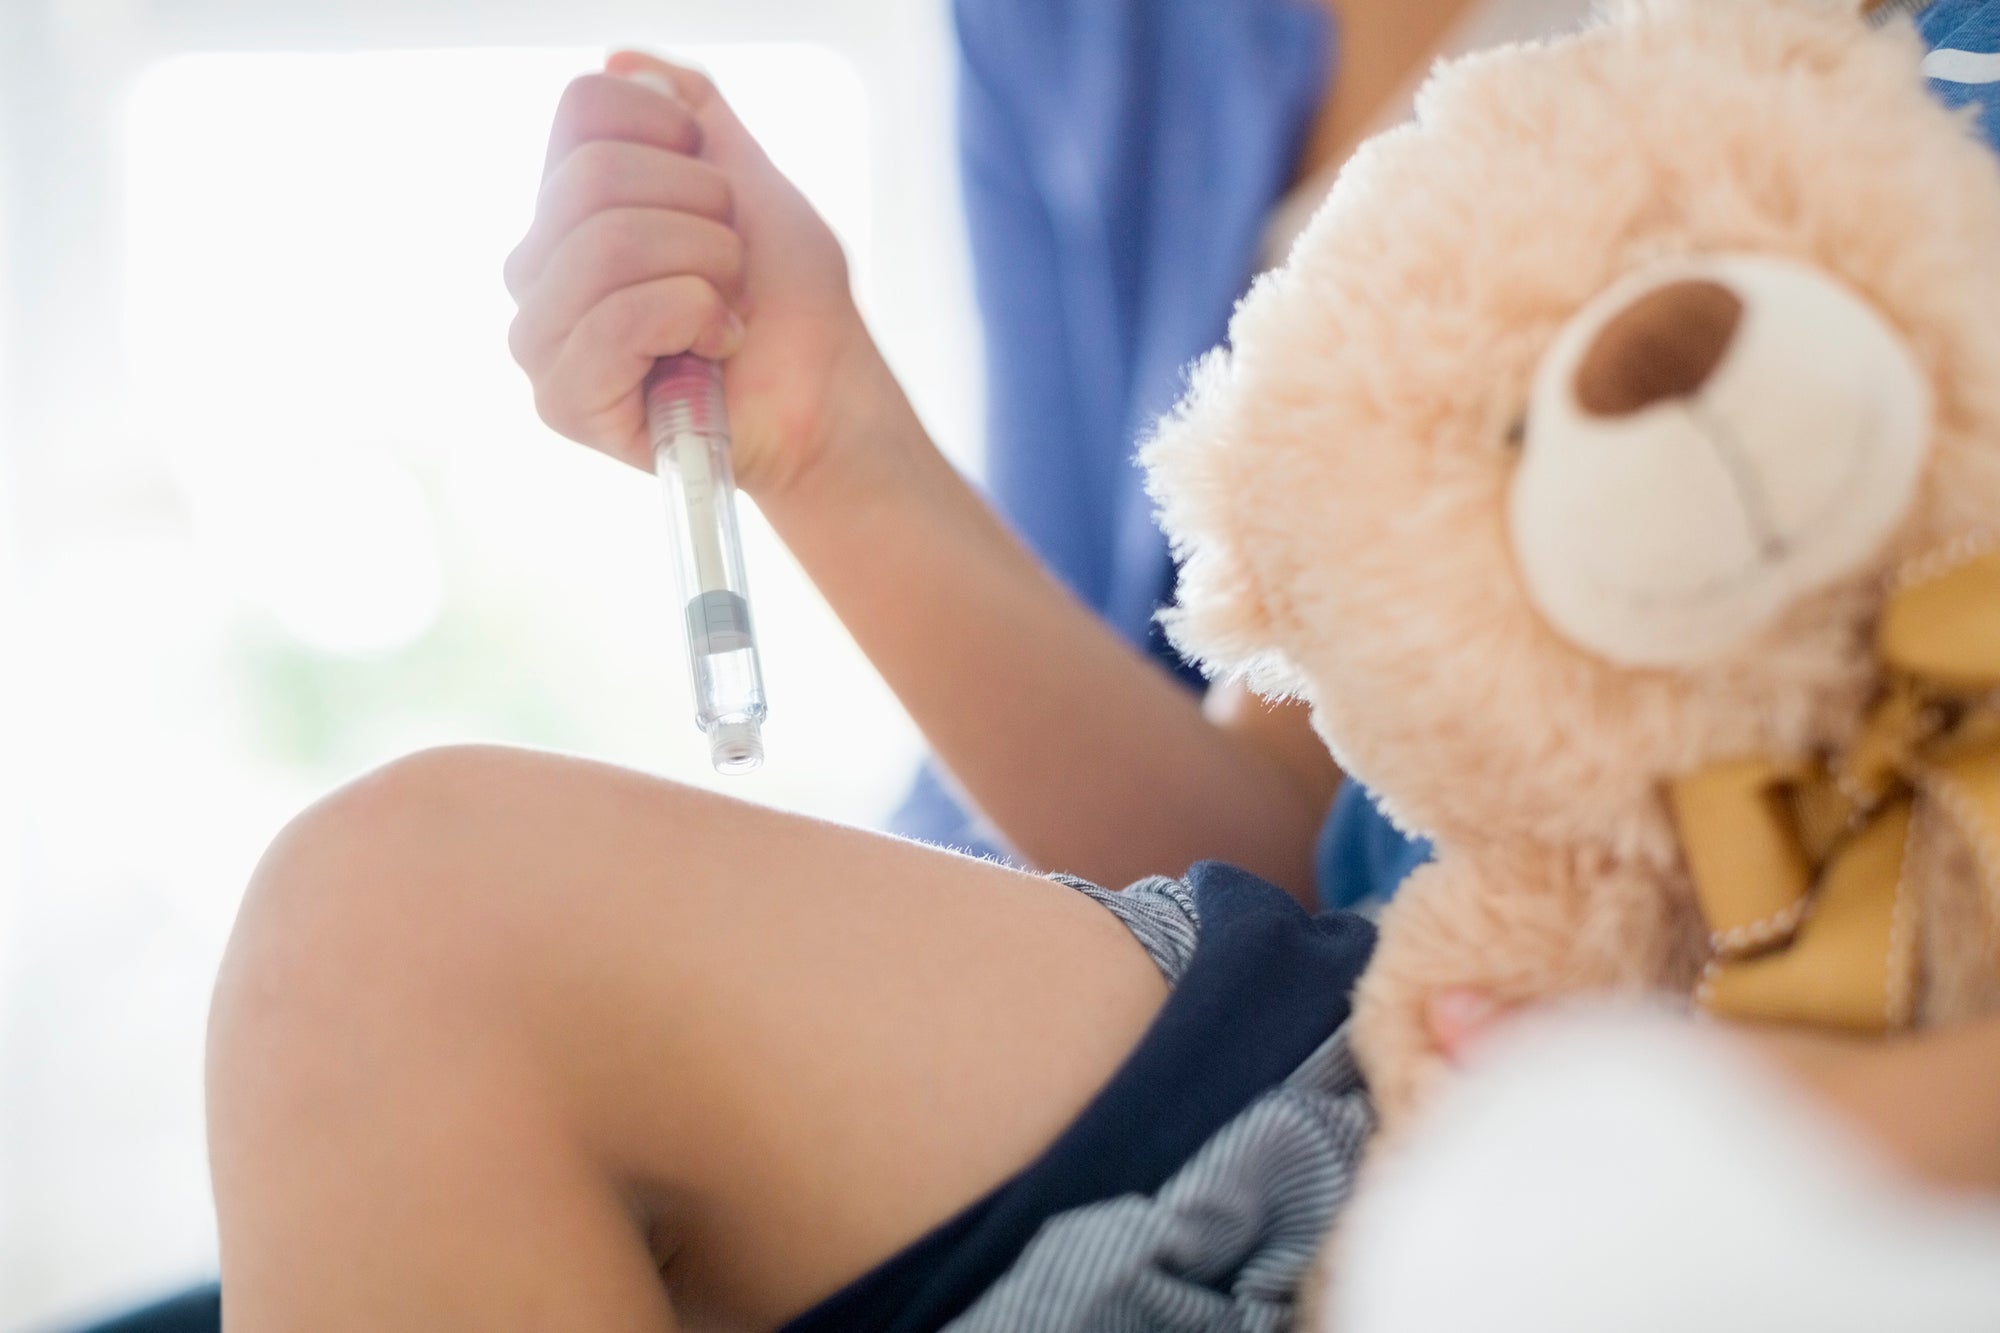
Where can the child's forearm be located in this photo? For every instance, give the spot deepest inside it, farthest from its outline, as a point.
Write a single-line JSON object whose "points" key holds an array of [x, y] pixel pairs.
{"points": [[1930, 1099], [661, 227], [1942, 1089], [1081, 752]]}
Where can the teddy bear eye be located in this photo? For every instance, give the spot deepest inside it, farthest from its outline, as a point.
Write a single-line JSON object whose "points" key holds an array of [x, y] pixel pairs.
{"points": [[1517, 433]]}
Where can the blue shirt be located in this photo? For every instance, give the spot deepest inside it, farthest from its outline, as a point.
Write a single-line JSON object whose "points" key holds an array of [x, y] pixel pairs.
{"points": [[1964, 64]]}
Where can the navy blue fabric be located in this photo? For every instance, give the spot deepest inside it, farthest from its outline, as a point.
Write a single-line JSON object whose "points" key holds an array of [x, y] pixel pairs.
{"points": [[1267, 985], [1972, 27], [195, 1311]]}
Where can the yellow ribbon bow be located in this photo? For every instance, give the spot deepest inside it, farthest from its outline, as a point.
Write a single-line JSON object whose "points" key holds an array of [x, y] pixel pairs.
{"points": [[1798, 867]]}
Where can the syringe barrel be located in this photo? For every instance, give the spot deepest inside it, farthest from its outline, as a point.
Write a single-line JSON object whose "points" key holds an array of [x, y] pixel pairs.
{"points": [[690, 438]]}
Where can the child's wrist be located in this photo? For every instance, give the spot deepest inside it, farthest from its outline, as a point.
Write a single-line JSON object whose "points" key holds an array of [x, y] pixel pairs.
{"points": [[872, 445]]}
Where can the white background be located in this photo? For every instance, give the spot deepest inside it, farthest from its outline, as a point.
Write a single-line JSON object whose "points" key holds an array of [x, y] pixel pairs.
{"points": [[274, 506]]}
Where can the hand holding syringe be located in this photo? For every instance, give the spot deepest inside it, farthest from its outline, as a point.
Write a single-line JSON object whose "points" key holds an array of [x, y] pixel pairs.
{"points": [[690, 438], [641, 240]]}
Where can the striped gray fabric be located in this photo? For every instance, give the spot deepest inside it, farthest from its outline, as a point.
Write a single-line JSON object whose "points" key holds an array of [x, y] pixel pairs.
{"points": [[1159, 911], [1224, 1245]]}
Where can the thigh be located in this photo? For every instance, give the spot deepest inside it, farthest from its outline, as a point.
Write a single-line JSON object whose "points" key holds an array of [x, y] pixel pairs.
{"points": [[803, 1043]]}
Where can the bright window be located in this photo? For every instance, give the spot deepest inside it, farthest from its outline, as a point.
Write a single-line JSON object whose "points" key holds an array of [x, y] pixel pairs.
{"points": [[325, 528], [316, 334]]}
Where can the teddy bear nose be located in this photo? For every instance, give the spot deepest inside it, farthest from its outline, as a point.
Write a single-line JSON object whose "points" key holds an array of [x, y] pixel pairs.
{"points": [[1664, 345]]}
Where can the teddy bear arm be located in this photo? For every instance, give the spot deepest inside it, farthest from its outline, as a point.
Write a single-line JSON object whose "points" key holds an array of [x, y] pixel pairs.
{"points": [[1519, 933]]}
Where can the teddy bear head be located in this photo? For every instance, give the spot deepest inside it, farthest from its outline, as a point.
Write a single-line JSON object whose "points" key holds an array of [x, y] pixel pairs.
{"points": [[1594, 415]]}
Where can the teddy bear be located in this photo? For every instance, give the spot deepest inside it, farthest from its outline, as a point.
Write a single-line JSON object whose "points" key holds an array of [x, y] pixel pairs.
{"points": [[1614, 467]]}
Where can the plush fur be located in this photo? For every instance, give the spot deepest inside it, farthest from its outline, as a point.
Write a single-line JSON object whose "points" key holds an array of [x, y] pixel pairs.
{"points": [[1337, 480]]}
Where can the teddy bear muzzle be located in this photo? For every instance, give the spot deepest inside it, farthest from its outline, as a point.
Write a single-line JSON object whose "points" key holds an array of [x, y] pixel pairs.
{"points": [[1708, 441]]}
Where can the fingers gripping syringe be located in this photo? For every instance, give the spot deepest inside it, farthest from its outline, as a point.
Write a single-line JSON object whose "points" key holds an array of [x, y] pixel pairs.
{"points": [[690, 436]]}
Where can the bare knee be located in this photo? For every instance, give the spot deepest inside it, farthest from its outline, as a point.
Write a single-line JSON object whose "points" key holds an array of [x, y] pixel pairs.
{"points": [[358, 868], [357, 932], [385, 1135], [447, 889]]}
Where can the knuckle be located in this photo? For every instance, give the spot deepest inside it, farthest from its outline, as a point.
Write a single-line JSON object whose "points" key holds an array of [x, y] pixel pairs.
{"points": [[524, 342], [575, 101], [621, 320], [735, 255], [587, 257], [522, 266], [721, 193], [683, 133], [623, 238], [591, 176], [728, 259], [511, 275], [553, 407]]}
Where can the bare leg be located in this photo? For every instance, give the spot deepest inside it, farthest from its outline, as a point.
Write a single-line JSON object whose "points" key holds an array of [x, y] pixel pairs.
{"points": [[502, 1037]]}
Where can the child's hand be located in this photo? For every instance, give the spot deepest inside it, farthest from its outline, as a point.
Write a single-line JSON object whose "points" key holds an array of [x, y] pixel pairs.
{"points": [[662, 228]]}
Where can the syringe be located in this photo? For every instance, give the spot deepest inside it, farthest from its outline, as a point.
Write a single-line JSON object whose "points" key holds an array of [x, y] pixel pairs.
{"points": [[690, 436]]}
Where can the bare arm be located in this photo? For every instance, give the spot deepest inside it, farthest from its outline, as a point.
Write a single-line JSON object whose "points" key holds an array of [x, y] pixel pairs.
{"points": [[662, 227], [1084, 754], [1930, 1100]]}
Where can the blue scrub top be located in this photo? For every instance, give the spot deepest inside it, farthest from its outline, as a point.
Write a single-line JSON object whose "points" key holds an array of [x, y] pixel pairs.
{"points": [[1120, 161], [1964, 64]]}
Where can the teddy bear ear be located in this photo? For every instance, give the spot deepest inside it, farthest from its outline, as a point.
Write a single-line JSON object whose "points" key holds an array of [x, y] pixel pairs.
{"points": [[1200, 473]]}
